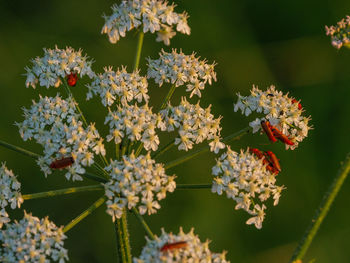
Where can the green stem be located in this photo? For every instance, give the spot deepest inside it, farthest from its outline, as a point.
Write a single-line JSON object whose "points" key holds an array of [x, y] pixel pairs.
{"points": [[120, 243], [138, 50], [139, 149], [187, 157], [65, 191], [143, 223], [193, 186], [117, 151], [322, 210], [84, 214], [164, 149], [168, 97], [126, 236], [19, 150]]}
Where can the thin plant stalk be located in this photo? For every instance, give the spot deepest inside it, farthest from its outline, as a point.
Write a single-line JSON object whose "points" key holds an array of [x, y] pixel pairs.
{"points": [[168, 97], [120, 242], [65, 191], [143, 223], [187, 157], [138, 49], [163, 150], [84, 214], [126, 236], [322, 211]]}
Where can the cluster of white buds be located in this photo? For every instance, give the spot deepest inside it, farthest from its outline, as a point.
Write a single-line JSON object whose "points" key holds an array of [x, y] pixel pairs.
{"points": [[179, 69], [9, 193], [150, 15], [32, 240], [182, 247], [340, 34], [245, 179], [194, 125], [53, 123], [136, 123], [119, 86], [55, 65], [136, 182], [281, 111]]}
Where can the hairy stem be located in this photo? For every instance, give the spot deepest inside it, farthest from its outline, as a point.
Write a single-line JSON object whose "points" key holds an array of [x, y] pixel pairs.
{"points": [[120, 243], [187, 157], [84, 214], [322, 210], [65, 191], [143, 223], [126, 236]]}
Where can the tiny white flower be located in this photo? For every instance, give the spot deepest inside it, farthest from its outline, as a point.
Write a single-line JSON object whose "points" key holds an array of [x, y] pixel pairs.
{"points": [[340, 34]]}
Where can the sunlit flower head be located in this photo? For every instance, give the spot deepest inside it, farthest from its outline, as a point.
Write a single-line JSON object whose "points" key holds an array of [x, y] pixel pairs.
{"points": [[148, 15], [57, 64], [283, 112], [119, 86], [194, 125], [136, 182], [180, 69], [32, 240], [54, 123], [340, 34], [183, 247], [10, 193], [245, 179]]}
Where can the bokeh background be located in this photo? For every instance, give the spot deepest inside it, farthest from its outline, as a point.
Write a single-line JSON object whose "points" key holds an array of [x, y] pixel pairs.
{"points": [[253, 42]]}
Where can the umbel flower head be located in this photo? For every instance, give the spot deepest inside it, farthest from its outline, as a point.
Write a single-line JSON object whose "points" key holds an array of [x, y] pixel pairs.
{"points": [[170, 248], [53, 123], [340, 34], [180, 69], [281, 111], [136, 182], [55, 65], [9, 193], [194, 125], [245, 179], [32, 240], [149, 15], [119, 86]]}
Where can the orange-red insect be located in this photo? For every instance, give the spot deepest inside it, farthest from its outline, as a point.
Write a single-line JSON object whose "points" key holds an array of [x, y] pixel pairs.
{"points": [[62, 163], [266, 127], [299, 105], [175, 245], [72, 79], [279, 135], [273, 160], [256, 151]]}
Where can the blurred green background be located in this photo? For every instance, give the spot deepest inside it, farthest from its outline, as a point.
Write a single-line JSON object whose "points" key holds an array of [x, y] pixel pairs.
{"points": [[253, 42]]}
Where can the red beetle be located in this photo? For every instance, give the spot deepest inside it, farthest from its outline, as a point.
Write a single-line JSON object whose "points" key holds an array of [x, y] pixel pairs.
{"points": [[72, 79], [273, 160], [175, 245], [266, 127], [279, 135], [62, 163], [299, 105]]}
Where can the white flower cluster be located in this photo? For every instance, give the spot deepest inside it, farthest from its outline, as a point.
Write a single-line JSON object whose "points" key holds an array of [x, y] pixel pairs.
{"points": [[244, 178], [340, 34], [53, 123], [55, 65], [136, 123], [119, 86], [151, 15], [194, 125], [179, 69], [32, 240], [136, 182], [281, 111], [9, 193], [170, 248]]}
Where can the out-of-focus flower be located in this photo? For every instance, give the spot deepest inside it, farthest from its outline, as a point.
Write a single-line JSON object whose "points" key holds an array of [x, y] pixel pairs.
{"points": [[151, 15], [32, 240], [180, 69], [340, 34], [57, 64], [245, 179], [136, 182], [281, 111], [182, 247]]}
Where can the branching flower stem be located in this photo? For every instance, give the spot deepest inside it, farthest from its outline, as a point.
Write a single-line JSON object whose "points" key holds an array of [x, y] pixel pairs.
{"points": [[84, 214], [187, 157], [143, 222], [163, 150], [322, 210], [65, 191]]}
